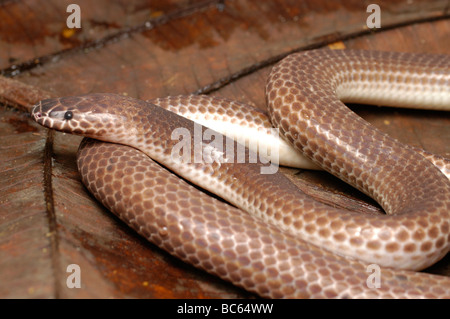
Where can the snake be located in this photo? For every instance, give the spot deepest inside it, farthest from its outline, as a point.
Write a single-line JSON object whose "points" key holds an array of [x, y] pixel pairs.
{"points": [[146, 163]]}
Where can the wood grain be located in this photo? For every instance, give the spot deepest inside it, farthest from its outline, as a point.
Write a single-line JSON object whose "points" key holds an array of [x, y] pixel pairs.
{"points": [[150, 49]]}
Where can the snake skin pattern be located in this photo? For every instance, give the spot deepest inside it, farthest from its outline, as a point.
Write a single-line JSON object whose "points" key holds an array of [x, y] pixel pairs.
{"points": [[303, 99], [239, 121], [249, 126]]}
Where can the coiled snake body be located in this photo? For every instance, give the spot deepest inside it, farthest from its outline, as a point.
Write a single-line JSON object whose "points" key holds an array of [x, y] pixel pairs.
{"points": [[288, 245]]}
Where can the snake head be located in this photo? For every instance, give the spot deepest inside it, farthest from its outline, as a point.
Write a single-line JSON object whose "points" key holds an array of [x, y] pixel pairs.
{"points": [[99, 116]]}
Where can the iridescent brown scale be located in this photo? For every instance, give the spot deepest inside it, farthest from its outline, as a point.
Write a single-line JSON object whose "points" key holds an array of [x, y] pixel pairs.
{"points": [[228, 242]]}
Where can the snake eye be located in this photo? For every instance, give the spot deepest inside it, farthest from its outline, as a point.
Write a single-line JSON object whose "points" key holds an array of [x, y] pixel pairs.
{"points": [[68, 115]]}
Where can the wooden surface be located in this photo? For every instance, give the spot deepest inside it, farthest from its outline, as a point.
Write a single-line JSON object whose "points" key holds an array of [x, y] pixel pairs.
{"points": [[148, 49]]}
